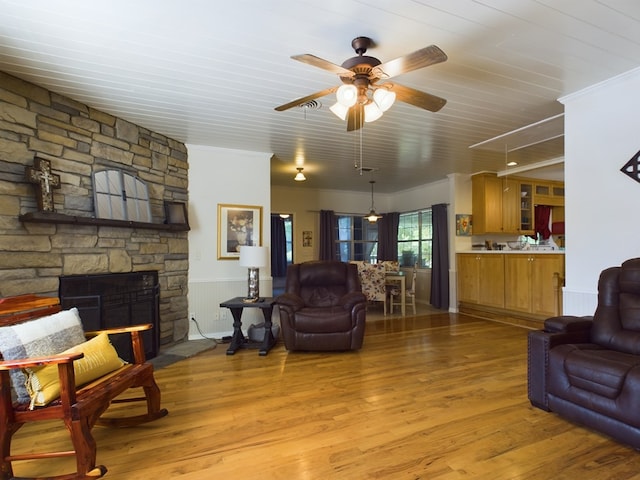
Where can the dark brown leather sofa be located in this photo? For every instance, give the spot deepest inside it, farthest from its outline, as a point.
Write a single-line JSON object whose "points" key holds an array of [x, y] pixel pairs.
{"points": [[323, 307], [587, 369]]}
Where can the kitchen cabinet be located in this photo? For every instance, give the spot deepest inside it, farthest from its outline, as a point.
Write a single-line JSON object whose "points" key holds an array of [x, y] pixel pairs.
{"points": [[510, 206], [526, 211], [486, 197], [529, 281], [549, 193], [481, 279], [502, 205]]}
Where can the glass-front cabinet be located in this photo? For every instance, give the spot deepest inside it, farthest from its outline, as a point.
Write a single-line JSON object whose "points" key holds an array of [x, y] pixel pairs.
{"points": [[543, 189], [549, 193], [526, 208]]}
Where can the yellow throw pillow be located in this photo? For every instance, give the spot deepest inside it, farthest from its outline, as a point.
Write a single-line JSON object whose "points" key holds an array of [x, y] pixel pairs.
{"points": [[100, 358]]}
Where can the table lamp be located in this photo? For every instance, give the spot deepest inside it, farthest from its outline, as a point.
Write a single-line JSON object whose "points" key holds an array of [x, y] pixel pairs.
{"points": [[253, 258]]}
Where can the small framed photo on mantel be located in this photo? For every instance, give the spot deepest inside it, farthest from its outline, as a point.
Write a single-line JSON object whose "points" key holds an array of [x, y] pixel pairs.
{"points": [[175, 213], [238, 225]]}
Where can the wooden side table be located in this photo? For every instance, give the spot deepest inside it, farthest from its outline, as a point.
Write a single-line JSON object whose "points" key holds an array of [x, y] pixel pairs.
{"points": [[238, 340]]}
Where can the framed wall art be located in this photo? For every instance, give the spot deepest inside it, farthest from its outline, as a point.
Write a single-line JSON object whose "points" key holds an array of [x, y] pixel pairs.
{"points": [[463, 225], [307, 238], [238, 225]]}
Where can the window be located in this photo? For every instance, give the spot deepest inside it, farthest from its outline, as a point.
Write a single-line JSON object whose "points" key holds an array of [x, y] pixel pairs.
{"points": [[415, 232], [120, 196], [356, 239], [288, 235]]}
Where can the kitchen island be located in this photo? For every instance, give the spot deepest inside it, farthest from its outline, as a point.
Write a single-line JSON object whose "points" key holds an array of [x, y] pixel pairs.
{"points": [[524, 286]]}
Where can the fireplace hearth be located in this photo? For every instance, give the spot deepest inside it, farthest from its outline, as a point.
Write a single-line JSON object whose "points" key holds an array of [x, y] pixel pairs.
{"points": [[116, 300]]}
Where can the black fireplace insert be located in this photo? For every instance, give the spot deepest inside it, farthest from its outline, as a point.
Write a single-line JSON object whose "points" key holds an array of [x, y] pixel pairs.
{"points": [[116, 300]]}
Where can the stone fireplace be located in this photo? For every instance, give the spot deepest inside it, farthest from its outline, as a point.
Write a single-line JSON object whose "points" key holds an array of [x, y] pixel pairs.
{"points": [[38, 248]]}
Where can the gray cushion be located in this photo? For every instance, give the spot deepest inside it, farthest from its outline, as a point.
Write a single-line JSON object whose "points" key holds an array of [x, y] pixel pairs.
{"points": [[37, 338]]}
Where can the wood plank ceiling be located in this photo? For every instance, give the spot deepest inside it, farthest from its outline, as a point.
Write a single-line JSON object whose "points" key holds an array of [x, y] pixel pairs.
{"points": [[211, 73]]}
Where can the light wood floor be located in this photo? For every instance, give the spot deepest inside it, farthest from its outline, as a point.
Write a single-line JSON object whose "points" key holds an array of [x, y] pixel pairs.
{"points": [[437, 397]]}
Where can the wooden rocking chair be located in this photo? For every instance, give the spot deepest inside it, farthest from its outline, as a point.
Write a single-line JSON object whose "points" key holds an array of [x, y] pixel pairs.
{"points": [[79, 408]]}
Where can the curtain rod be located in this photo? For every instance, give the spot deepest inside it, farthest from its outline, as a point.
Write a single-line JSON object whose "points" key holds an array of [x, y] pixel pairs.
{"points": [[358, 214]]}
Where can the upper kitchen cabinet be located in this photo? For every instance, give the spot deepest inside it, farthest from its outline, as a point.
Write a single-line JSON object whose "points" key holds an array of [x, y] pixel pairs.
{"points": [[502, 204], [527, 226], [549, 193], [486, 200]]}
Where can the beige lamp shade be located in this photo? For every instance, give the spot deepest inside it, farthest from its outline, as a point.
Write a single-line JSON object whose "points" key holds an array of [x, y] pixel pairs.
{"points": [[253, 257]]}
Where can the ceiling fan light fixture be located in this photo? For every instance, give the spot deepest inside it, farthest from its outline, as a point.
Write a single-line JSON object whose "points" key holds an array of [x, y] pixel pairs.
{"points": [[347, 95], [359, 75], [372, 112], [339, 110], [300, 176], [384, 98]]}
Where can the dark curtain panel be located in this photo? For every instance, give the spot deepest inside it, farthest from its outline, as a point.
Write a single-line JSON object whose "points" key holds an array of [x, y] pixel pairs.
{"points": [[388, 236], [278, 247], [543, 213], [440, 260], [327, 235]]}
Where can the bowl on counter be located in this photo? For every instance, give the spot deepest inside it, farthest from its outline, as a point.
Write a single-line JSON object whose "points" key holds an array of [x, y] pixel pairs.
{"points": [[516, 245]]}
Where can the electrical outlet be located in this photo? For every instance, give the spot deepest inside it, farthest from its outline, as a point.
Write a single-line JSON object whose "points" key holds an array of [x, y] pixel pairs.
{"points": [[192, 316]]}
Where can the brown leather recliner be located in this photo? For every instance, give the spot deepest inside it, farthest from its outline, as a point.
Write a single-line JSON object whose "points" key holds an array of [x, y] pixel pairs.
{"points": [[323, 307], [587, 369]]}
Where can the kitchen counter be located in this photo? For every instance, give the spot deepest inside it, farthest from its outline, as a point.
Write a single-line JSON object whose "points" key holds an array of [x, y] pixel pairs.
{"points": [[521, 284], [516, 252]]}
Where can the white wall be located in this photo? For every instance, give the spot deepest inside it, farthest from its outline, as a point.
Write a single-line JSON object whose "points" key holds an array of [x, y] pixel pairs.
{"points": [[420, 197], [223, 176], [460, 195], [601, 135]]}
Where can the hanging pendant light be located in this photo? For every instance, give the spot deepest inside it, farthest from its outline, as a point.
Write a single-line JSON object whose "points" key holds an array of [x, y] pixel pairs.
{"points": [[373, 217]]}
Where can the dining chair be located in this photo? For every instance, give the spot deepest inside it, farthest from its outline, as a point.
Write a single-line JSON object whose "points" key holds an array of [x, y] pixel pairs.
{"points": [[372, 279], [395, 293]]}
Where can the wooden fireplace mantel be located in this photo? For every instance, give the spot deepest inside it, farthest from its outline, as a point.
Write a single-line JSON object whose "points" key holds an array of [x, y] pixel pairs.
{"points": [[61, 218]]}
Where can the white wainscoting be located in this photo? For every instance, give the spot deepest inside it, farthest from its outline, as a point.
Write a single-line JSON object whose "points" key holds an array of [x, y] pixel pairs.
{"points": [[205, 298], [579, 303]]}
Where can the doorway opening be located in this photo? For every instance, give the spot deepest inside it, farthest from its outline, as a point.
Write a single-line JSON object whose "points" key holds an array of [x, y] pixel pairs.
{"points": [[281, 249]]}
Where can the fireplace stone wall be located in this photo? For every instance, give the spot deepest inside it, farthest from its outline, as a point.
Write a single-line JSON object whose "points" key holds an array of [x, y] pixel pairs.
{"points": [[78, 139]]}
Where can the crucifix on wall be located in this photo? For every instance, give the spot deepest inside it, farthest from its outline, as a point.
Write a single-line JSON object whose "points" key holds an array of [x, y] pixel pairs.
{"points": [[45, 181]]}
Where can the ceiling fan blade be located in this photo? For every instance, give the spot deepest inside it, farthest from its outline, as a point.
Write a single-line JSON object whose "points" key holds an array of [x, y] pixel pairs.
{"points": [[416, 97], [324, 64], [355, 117], [301, 101], [419, 59]]}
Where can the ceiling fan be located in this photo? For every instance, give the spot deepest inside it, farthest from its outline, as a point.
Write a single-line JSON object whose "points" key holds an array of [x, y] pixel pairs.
{"points": [[361, 98]]}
